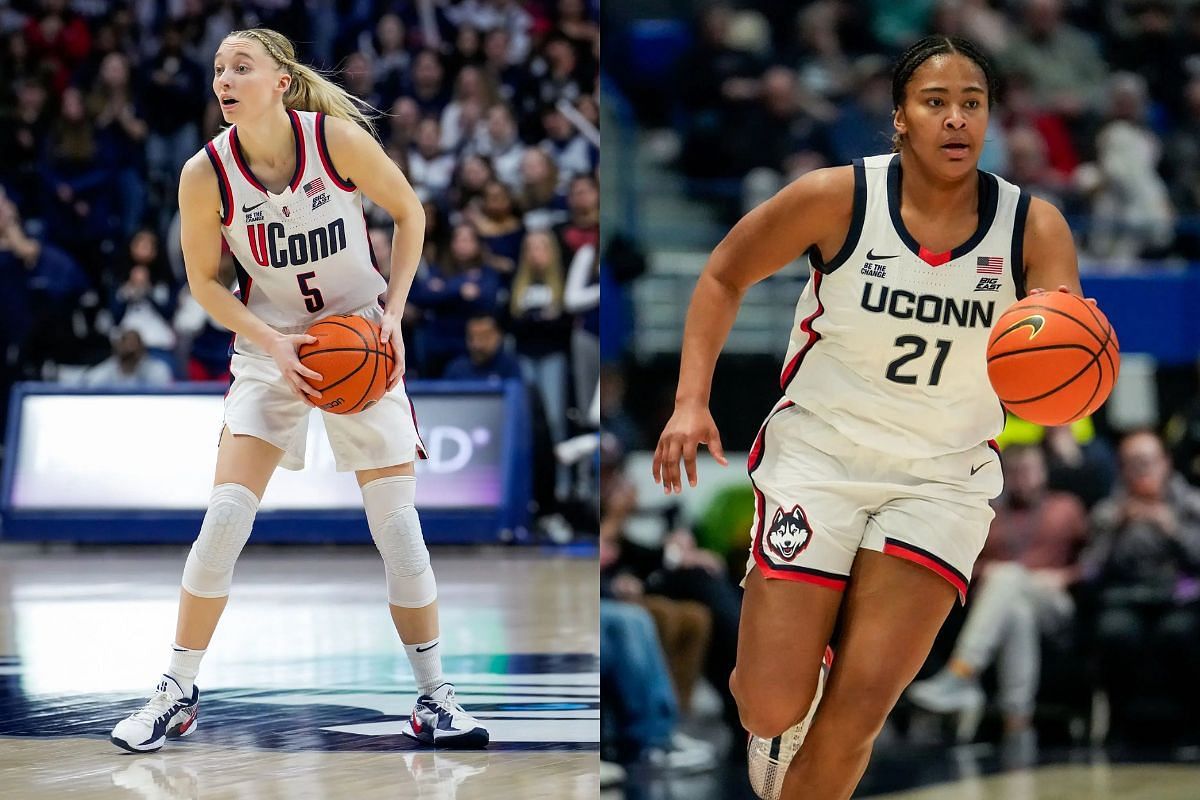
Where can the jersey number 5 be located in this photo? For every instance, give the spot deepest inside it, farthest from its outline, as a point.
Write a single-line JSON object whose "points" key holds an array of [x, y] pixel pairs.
{"points": [[919, 346], [312, 295]]}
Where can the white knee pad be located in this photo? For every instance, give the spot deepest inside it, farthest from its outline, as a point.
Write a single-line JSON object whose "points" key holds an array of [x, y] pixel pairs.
{"points": [[223, 534], [396, 529]]}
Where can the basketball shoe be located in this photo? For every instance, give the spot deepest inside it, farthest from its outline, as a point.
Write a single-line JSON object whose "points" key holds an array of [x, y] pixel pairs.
{"points": [[166, 715], [438, 720], [768, 759]]}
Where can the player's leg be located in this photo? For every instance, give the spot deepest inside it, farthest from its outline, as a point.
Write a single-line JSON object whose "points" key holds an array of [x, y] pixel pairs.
{"points": [[389, 495], [894, 609], [244, 466]]}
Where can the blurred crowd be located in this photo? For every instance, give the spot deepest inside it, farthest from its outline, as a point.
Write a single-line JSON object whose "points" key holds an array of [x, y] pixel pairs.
{"points": [[1100, 112], [488, 106]]}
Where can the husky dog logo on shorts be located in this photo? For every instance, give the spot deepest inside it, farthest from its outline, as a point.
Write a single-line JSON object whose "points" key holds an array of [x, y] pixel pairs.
{"points": [[789, 533]]}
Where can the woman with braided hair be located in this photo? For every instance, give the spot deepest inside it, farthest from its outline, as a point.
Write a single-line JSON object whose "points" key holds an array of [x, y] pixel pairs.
{"points": [[283, 187]]}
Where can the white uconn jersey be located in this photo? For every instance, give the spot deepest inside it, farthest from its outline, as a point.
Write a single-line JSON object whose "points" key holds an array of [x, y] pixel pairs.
{"points": [[302, 254], [889, 340]]}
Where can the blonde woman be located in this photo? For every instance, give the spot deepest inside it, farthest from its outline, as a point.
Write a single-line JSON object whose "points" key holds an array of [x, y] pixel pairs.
{"points": [[541, 330], [283, 187]]}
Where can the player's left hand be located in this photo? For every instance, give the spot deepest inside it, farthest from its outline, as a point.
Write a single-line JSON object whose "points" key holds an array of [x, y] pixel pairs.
{"points": [[1063, 288], [389, 328]]}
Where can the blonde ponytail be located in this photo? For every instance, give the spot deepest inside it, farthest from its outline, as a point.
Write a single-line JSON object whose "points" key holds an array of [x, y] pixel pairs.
{"points": [[310, 89]]}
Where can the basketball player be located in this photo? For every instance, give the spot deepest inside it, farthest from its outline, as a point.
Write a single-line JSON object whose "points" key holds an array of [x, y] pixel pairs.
{"points": [[282, 187], [872, 474]]}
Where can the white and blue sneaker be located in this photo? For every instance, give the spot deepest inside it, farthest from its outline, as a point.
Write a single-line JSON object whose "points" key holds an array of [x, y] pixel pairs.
{"points": [[439, 721], [768, 759], [166, 715]]}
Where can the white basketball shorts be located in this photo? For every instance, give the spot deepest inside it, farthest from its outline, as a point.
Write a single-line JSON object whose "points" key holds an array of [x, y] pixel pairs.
{"points": [[820, 498], [259, 403]]}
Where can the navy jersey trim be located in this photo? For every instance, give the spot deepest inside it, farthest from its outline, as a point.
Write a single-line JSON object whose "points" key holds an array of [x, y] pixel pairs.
{"points": [[298, 136], [222, 184], [854, 233], [989, 192], [345, 184], [1017, 262]]}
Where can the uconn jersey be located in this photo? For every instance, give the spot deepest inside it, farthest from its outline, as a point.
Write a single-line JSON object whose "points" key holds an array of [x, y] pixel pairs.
{"points": [[302, 254], [889, 340]]}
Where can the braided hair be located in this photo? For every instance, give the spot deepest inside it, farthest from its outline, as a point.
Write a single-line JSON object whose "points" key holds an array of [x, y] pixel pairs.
{"points": [[927, 48], [310, 90]]}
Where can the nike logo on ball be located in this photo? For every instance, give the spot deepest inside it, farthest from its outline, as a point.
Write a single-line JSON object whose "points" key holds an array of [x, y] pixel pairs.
{"points": [[872, 257], [981, 466], [246, 210]]}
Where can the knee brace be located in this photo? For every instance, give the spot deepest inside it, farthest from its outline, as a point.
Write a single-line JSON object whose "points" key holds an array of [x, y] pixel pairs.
{"points": [[396, 529], [223, 534]]}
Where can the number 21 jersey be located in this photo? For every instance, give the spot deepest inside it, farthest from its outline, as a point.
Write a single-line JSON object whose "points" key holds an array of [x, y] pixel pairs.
{"points": [[889, 339], [302, 254]]}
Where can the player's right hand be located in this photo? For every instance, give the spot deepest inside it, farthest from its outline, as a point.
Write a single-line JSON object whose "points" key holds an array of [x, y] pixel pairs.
{"points": [[283, 349], [688, 428]]}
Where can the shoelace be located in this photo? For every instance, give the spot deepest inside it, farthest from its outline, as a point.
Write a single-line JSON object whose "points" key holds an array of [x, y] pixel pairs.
{"points": [[451, 705], [160, 703]]}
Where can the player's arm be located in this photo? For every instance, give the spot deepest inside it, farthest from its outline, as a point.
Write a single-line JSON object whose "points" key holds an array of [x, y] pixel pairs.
{"points": [[809, 210], [813, 210], [200, 236], [1050, 258], [360, 158]]}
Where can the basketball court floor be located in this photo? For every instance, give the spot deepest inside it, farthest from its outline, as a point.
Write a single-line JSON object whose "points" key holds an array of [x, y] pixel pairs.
{"points": [[305, 686]]}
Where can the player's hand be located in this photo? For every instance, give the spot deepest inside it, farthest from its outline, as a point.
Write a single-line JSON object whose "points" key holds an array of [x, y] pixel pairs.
{"points": [[283, 349], [1063, 288], [688, 428], [389, 331]]}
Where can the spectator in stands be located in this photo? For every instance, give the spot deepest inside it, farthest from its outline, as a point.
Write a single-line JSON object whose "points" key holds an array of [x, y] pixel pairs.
{"points": [[474, 93], [1029, 167], [473, 174], [428, 83], [1021, 109], [461, 286], [1020, 594], [78, 192], [130, 366], [1150, 48], [864, 124], [508, 74], [975, 20], [1143, 564], [615, 419], [574, 154], [122, 135], [400, 126], [1131, 209], [1181, 167], [23, 133], [386, 50], [1079, 462], [583, 225], [636, 681], [174, 94], [59, 38], [467, 50], [1064, 66], [145, 302], [573, 22], [358, 76], [495, 216], [204, 343], [582, 298], [500, 143], [486, 359], [541, 328], [503, 15], [545, 206], [430, 167]]}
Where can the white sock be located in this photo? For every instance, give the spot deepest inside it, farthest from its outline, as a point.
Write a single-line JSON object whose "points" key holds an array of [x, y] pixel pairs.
{"points": [[185, 665], [426, 661]]}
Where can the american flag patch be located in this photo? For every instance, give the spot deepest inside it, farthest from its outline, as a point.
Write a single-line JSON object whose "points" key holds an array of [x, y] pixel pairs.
{"points": [[989, 265], [314, 186]]}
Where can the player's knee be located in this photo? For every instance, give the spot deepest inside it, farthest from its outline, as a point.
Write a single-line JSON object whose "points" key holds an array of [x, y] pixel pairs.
{"points": [[859, 711], [226, 527], [764, 710], [396, 529]]}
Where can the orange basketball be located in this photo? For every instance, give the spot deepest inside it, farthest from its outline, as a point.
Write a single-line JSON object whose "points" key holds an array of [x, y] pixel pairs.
{"points": [[1053, 358], [352, 363]]}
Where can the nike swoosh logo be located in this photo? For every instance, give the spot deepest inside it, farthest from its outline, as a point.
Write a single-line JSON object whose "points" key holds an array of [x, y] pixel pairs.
{"points": [[1035, 323], [424, 649], [872, 257], [981, 466], [251, 208]]}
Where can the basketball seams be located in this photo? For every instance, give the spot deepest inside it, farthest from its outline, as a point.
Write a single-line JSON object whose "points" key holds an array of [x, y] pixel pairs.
{"points": [[1092, 362], [371, 346], [1061, 313]]}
